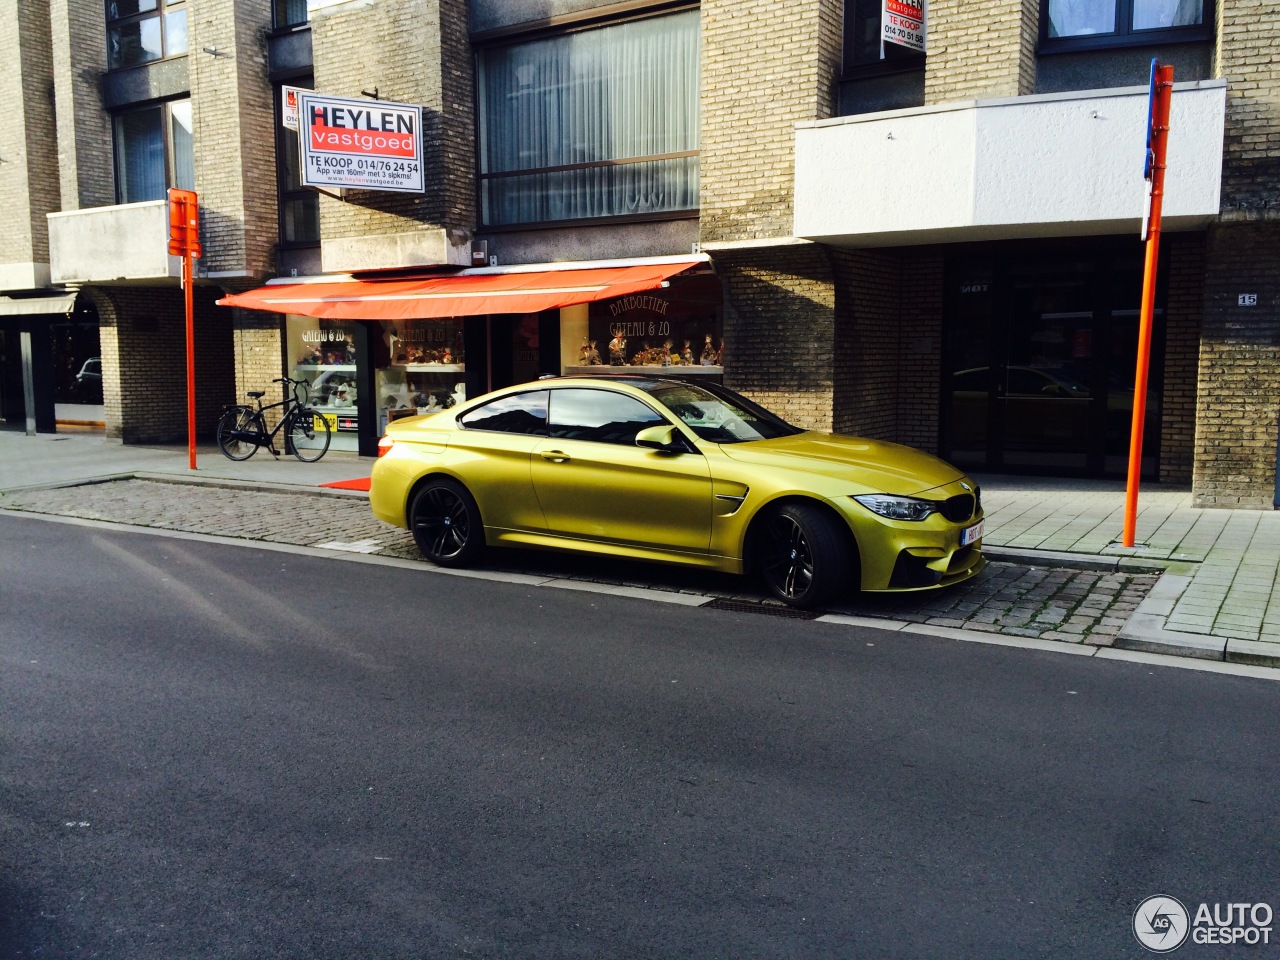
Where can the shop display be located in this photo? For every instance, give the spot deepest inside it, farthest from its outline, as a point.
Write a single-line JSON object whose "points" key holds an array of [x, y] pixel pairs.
{"points": [[425, 371], [659, 329]]}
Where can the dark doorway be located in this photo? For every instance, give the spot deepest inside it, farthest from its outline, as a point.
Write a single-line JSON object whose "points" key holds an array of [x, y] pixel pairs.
{"points": [[1041, 351]]}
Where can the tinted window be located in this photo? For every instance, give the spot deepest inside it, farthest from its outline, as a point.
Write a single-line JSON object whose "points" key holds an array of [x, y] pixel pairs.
{"points": [[718, 414], [518, 413], [600, 415]]}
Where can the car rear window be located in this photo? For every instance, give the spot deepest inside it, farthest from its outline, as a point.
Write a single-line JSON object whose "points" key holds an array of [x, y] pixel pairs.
{"points": [[515, 413]]}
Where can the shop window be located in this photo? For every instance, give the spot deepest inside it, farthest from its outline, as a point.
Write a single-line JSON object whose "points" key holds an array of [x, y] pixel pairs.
{"points": [[154, 151], [139, 31], [674, 330], [288, 13], [299, 206], [1084, 24], [423, 369], [593, 123], [882, 37]]}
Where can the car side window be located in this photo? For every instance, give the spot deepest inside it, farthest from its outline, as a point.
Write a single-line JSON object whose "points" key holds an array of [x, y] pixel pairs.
{"points": [[516, 413], [600, 415]]}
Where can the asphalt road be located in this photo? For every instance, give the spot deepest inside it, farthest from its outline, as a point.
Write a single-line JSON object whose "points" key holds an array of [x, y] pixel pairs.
{"points": [[224, 752]]}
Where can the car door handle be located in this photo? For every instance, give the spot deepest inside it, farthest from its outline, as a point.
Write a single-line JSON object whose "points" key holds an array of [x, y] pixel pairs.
{"points": [[555, 456]]}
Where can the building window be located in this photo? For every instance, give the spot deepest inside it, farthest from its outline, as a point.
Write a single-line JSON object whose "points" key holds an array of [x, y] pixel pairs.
{"points": [[139, 31], [1077, 24], [865, 48], [599, 122], [299, 205], [154, 151], [289, 13]]}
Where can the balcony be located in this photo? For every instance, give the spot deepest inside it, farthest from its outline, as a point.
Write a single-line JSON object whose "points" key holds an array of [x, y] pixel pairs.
{"points": [[1040, 166], [120, 244]]}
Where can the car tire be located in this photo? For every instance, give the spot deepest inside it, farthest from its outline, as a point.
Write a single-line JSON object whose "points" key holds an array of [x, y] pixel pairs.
{"points": [[446, 524], [802, 556]]}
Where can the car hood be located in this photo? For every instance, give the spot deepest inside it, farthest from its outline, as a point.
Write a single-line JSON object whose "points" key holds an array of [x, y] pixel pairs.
{"points": [[875, 465]]}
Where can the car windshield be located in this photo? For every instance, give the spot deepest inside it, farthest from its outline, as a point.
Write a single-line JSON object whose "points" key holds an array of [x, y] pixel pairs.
{"points": [[717, 414]]}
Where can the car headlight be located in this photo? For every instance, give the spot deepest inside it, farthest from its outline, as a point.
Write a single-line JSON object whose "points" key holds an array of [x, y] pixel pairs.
{"points": [[898, 508]]}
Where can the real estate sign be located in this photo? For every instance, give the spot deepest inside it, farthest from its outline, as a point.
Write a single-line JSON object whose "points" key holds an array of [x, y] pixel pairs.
{"points": [[360, 144], [902, 22]]}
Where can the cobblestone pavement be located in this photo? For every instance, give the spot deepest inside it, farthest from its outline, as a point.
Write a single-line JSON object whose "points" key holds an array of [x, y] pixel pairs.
{"points": [[1016, 599]]}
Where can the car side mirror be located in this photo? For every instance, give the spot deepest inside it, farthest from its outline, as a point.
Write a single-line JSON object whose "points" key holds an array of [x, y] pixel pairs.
{"points": [[664, 439]]}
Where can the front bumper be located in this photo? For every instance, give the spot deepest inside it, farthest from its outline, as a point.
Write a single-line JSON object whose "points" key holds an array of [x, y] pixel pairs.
{"points": [[904, 555]]}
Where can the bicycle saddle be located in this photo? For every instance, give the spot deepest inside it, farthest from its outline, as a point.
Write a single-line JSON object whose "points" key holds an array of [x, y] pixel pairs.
{"points": [[255, 394]]}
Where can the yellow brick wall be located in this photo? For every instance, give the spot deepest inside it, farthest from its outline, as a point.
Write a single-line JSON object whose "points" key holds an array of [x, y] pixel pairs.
{"points": [[980, 50]]}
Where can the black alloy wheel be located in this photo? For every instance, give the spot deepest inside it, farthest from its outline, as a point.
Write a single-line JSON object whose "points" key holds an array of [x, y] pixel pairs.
{"points": [[235, 423], [446, 525], [802, 556]]}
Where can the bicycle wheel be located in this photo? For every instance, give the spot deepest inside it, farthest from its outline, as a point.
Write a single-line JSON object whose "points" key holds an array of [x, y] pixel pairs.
{"points": [[235, 423], [307, 435]]}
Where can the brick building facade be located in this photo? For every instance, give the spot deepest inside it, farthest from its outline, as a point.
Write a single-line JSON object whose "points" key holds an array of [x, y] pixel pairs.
{"points": [[868, 211]]}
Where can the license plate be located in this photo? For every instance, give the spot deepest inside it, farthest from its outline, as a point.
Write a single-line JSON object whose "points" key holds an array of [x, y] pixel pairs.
{"points": [[970, 534]]}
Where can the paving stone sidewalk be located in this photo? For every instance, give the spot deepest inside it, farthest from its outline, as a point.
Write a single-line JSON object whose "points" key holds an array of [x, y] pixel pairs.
{"points": [[1014, 599]]}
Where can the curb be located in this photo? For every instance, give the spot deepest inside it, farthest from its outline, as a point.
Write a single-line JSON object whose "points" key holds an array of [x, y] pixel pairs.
{"points": [[1077, 561]]}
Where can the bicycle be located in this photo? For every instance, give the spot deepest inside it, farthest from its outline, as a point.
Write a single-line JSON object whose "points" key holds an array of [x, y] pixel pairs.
{"points": [[242, 429]]}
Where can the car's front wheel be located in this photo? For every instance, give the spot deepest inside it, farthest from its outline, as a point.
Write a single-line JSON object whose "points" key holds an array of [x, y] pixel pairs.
{"points": [[446, 524], [802, 556]]}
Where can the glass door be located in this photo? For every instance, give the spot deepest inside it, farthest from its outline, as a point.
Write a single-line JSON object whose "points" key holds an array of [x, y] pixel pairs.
{"points": [[1040, 354]]}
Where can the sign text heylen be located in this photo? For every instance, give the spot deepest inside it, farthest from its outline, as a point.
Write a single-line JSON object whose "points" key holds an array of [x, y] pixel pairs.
{"points": [[360, 144]]}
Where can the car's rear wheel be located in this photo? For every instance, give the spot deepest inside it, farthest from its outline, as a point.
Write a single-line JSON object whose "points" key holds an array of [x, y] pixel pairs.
{"points": [[802, 556], [446, 524]]}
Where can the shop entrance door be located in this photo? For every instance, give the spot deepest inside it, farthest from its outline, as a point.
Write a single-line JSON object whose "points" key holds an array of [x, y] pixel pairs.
{"points": [[1040, 355]]}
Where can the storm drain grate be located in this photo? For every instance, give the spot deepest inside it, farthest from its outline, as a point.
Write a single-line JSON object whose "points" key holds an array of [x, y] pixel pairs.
{"points": [[768, 610]]}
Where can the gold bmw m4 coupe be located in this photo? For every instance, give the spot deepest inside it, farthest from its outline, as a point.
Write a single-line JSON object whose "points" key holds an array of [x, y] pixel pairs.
{"points": [[679, 472]]}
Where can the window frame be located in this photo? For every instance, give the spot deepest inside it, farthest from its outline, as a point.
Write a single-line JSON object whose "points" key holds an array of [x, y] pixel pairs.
{"points": [[903, 60], [279, 25], [170, 154], [551, 28], [161, 13], [1125, 35], [284, 193]]}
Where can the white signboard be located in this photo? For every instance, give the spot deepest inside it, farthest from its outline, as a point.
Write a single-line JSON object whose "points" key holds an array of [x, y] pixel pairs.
{"points": [[289, 106], [902, 22], [360, 144]]}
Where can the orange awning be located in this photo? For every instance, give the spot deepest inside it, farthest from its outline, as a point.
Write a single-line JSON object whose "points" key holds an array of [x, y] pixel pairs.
{"points": [[469, 293]]}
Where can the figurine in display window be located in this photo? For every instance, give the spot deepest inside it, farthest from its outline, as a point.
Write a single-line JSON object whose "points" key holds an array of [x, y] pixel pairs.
{"points": [[708, 358], [590, 355], [686, 355], [667, 355], [618, 350]]}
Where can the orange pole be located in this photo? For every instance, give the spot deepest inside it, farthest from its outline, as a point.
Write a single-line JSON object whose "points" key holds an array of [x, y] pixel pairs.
{"points": [[1159, 144], [187, 284]]}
